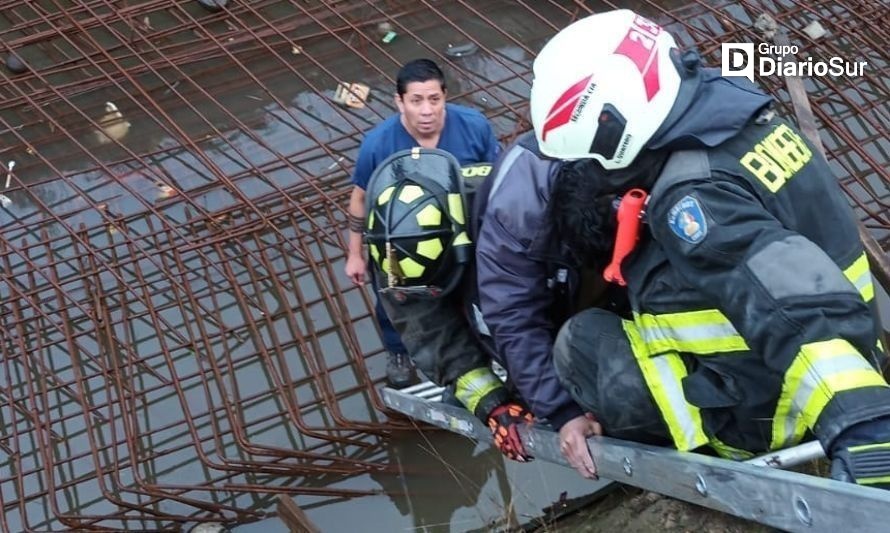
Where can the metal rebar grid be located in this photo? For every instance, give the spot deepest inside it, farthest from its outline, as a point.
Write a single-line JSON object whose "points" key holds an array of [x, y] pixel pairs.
{"points": [[179, 340]]}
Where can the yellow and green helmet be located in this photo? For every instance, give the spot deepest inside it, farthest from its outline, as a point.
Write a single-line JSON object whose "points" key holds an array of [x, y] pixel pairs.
{"points": [[417, 222]]}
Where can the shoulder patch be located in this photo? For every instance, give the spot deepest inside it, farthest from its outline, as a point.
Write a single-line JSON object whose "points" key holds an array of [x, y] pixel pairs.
{"points": [[687, 220]]}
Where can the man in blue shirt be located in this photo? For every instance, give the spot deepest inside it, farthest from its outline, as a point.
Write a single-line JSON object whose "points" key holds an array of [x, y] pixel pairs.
{"points": [[424, 120]]}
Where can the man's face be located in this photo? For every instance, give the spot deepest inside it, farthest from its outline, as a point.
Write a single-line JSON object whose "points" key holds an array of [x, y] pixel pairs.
{"points": [[423, 107]]}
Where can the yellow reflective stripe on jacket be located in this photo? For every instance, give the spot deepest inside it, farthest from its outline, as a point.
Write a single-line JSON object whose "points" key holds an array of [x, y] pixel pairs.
{"points": [[860, 277], [820, 370], [701, 332], [664, 374], [729, 452], [471, 387]]}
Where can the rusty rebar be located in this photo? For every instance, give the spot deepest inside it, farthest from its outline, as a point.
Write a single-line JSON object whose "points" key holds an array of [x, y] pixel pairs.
{"points": [[179, 342]]}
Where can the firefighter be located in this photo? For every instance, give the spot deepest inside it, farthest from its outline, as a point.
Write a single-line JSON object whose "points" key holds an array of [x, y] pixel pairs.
{"points": [[751, 319], [417, 235]]}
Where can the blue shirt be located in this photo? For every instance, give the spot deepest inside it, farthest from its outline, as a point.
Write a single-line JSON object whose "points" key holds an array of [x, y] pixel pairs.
{"points": [[467, 136]]}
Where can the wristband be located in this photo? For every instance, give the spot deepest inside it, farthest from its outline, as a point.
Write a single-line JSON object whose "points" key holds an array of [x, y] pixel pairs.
{"points": [[356, 224]]}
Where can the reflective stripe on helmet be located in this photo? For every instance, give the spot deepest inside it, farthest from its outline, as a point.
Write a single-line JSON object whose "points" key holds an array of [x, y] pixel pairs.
{"points": [[409, 193], [429, 216], [385, 195], [430, 248], [462, 239], [456, 208]]}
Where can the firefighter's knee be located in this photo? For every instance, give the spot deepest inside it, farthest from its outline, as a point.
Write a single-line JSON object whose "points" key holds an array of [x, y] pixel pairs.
{"points": [[595, 364]]}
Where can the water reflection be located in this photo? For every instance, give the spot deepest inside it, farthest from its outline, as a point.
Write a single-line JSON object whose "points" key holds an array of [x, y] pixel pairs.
{"points": [[446, 483], [443, 479]]}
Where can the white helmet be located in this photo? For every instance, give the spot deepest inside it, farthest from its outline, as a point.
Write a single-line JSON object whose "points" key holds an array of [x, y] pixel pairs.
{"points": [[602, 87]]}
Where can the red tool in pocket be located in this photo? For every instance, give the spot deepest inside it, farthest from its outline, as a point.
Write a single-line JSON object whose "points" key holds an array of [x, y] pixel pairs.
{"points": [[630, 214]]}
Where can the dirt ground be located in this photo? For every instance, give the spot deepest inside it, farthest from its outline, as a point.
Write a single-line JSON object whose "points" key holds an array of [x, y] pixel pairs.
{"points": [[630, 510], [627, 509]]}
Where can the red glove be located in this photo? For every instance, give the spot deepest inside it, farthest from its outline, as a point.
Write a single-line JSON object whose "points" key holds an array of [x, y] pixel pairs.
{"points": [[503, 422]]}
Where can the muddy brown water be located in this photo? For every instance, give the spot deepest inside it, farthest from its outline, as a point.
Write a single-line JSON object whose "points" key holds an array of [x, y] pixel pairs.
{"points": [[451, 484], [446, 483]]}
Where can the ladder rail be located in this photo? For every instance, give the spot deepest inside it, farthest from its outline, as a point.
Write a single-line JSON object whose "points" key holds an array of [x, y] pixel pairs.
{"points": [[786, 500]]}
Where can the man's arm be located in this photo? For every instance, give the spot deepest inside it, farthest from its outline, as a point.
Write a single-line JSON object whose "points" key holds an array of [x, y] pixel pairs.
{"points": [[356, 261], [356, 264], [515, 300]]}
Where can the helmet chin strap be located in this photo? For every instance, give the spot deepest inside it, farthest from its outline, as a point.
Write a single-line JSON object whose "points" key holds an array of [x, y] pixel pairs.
{"points": [[395, 276]]}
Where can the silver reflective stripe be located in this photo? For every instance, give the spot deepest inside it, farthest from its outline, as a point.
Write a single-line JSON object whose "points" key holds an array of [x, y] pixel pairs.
{"points": [[860, 277], [509, 159], [862, 281], [811, 381], [670, 333], [680, 418], [702, 332], [795, 266]]}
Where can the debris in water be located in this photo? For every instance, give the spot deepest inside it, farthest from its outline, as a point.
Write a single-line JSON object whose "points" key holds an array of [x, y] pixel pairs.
{"points": [[766, 25], [209, 527], [165, 191], [213, 5], [296, 50], [815, 30], [5, 201], [384, 28], [15, 64], [389, 37], [352, 95], [335, 163], [9, 167], [461, 50], [113, 125]]}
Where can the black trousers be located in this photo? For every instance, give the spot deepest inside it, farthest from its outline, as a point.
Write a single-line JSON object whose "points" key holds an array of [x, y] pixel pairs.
{"points": [[595, 364], [437, 334]]}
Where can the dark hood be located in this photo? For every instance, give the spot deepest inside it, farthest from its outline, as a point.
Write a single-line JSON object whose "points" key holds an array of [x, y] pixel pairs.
{"points": [[710, 109], [642, 173]]}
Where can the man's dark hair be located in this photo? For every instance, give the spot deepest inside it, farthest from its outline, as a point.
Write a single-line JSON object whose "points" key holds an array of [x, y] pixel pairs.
{"points": [[418, 70], [582, 213]]}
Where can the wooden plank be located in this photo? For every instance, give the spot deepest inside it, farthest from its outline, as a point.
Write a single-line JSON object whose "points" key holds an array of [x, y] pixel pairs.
{"points": [[294, 517]]}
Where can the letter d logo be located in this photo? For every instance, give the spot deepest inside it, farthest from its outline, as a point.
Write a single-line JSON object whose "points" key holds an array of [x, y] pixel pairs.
{"points": [[737, 60]]}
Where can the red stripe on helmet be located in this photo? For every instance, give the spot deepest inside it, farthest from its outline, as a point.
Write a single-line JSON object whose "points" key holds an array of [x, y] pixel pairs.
{"points": [[639, 46], [562, 110]]}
